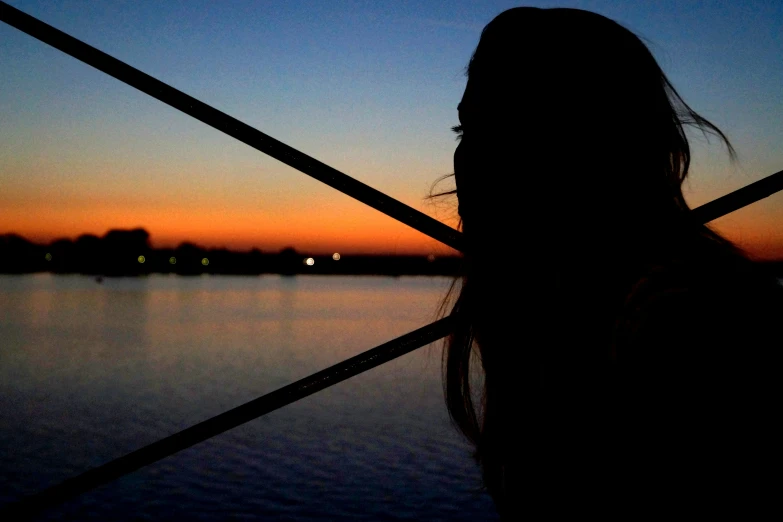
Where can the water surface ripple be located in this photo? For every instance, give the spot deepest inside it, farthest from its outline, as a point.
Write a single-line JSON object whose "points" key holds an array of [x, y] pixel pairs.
{"points": [[89, 372]]}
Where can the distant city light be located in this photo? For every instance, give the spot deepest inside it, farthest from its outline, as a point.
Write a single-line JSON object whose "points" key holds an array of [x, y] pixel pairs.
{"points": [[431, 258], [309, 261], [48, 256], [173, 260], [336, 256], [204, 261], [141, 259]]}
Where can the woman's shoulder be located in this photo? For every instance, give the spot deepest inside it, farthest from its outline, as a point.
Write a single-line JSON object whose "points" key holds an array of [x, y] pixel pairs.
{"points": [[721, 281], [694, 328], [698, 306]]}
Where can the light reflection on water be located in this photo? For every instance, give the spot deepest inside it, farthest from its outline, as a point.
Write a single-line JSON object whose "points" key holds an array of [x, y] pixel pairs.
{"points": [[91, 371]]}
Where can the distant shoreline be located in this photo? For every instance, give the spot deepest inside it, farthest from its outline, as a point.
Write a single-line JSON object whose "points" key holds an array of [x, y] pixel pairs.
{"points": [[123, 253]]}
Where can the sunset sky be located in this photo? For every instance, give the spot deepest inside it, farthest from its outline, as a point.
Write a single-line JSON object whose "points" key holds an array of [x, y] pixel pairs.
{"points": [[370, 88]]}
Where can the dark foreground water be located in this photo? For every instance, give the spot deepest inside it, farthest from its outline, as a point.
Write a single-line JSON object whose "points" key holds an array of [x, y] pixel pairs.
{"points": [[89, 372]]}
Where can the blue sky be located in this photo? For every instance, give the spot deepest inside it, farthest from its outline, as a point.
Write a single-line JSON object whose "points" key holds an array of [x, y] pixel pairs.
{"points": [[370, 88]]}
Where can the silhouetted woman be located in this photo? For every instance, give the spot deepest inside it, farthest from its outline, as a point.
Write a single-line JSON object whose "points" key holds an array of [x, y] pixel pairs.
{"points": [[629, 354]]}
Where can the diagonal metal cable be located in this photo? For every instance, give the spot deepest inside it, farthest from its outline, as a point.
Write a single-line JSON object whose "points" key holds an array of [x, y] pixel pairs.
{"points": [[168, 446], [231, 126], [743, 197]]}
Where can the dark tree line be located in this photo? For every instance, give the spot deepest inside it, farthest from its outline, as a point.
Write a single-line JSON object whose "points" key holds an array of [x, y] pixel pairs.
{"points": [[128, 253]]}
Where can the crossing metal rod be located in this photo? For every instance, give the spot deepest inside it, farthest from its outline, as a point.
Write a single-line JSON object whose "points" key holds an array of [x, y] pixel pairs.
{"points": [[188, 437], [739, 198], [231, 126]]}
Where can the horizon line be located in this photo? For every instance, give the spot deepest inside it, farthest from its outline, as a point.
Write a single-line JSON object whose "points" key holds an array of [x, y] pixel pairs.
{"points": [[248, 249]]}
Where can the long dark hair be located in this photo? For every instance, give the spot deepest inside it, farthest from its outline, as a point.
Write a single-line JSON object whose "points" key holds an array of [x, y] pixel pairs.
{"points": [[572, 154]]}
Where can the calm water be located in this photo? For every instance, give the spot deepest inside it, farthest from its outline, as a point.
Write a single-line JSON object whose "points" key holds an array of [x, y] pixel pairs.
{"points": [[89, 372]]}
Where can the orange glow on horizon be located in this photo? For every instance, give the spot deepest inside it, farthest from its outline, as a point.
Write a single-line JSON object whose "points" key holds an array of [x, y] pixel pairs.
{"points": [[761, 240], [378, 236], [346, 228], [361, 232]]}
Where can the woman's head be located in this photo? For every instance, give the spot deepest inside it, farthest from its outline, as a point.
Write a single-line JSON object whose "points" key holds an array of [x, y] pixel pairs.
{"points": [[572, 153], [568, 111]]}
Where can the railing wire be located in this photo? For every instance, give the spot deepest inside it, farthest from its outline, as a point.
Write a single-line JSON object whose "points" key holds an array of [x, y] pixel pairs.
{"points": [[743, 197]]}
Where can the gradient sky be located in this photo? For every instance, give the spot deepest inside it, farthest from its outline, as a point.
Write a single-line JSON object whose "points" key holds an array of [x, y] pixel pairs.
{"points": [[370, 88]]}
